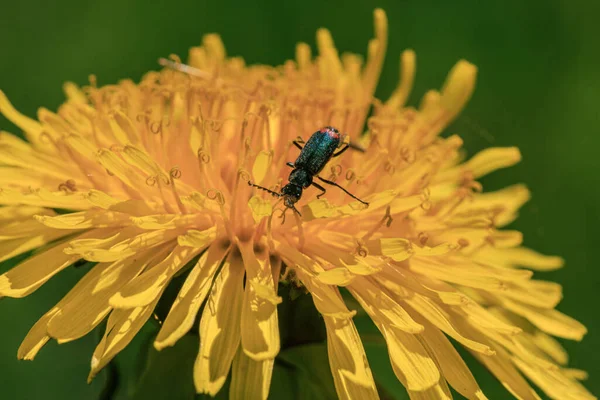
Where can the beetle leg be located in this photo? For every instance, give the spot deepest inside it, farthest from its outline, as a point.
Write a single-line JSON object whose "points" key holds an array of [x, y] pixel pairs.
{"points": [[320, 188], [347, 192], [297, 143], [341, 151]]}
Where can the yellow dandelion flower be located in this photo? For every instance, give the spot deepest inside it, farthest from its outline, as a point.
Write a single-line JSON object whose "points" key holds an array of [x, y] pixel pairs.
{"points": [[152, 175]]}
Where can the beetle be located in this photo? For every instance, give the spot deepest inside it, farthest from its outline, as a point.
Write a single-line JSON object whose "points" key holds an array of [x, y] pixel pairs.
{"points": [[316, 153]]}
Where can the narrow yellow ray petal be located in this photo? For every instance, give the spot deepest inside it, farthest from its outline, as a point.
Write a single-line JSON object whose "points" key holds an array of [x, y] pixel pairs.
{"points": [[129, 245], [451, 364], [146, 288], [351, 372], [143, 161], [261, 166], [31, 128], [554, 383], [121, 327], [260, 330], [455, 274], [190, 298], [506, 373], [377, 49], [397, 249], [250, 379], [32, 273], [86, 305], [18, 229], [101, 199], [197, 239], [260, 208], [439, 391], [382, 307], [520, 256], [412, 365], [336, 276], [85, 220], [407, 76], [437, 316], [457, 89], [45, 198], [74, 93], [17, 213], [548, 320], [14, 247], [119, 168], [220, 328], [36, 337], [551, 347]]}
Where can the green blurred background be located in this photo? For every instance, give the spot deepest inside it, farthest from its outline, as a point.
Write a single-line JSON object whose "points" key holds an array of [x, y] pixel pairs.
{"points": [[538, 89]]}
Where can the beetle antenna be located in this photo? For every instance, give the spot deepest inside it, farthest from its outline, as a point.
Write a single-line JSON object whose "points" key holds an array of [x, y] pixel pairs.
{"points": [[356, 146], [186, 69], [265, 189]]}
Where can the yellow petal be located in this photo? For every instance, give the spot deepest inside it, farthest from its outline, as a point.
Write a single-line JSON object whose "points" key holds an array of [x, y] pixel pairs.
{"points": [[439, 391], [45, 198], [492, 159], [554, 383], [550, 346], [382, 307], [101, 199], [506, 373], [74, 93], [451, 364], [437, 316], [519, 256], [130, 245], [475, 277], [84, 220], [396, 248], [250, 379], [220, 328], [336, 276], [36, 270], [32, 128], [169, 221], [17, 213], [36, 337], [550, 321], [145, 288], [261, 166], [121, 328], [260, 208], [86, 305], [351, 372], [190, 297], [413, 366], [119, 168], [407, 77], [197, 239], [260, 330], [14, 247], [458, 88], [143, 161]]}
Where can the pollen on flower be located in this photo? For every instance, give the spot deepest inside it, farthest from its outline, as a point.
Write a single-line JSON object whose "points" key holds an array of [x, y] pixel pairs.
{"points": [[154, 176]]}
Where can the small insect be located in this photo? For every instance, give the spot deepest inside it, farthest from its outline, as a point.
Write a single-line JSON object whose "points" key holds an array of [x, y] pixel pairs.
{"points": [[316, 153]]}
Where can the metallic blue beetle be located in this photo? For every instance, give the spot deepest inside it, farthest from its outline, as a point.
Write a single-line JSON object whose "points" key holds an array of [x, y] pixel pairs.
{"points": [[315, 154]]}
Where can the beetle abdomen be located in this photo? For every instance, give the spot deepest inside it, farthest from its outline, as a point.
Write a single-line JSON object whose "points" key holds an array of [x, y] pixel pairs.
{"points": [[318, 150]]}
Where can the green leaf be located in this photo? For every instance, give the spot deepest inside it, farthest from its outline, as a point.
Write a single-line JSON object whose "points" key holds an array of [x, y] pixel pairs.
{"points": [[168, 373]]}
